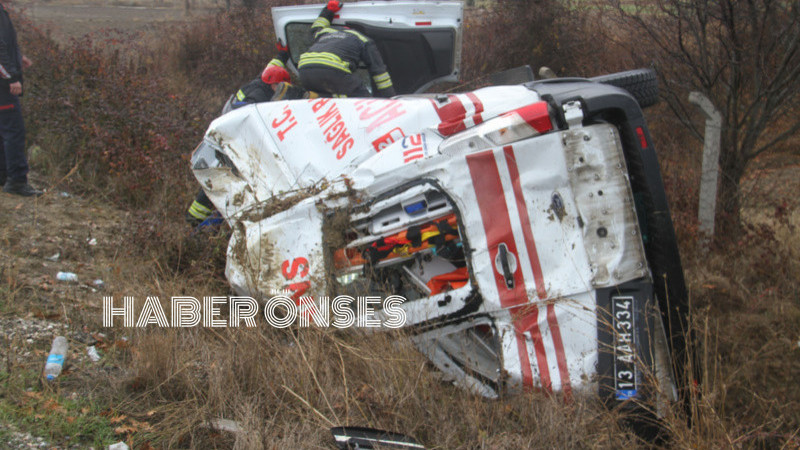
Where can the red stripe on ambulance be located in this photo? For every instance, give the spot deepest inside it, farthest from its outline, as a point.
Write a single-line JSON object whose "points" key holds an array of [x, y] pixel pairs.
{"points": [[536, 267], [451, 114], [497, 225], [476, 102], [527, 229]]}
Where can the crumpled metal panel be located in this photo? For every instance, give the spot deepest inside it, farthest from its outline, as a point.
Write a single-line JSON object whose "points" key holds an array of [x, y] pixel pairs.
{"points": [[604, 200], [278, 254]]}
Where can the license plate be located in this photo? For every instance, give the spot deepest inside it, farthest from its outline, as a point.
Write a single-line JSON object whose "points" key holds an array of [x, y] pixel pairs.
{"points": [[626, 380]]}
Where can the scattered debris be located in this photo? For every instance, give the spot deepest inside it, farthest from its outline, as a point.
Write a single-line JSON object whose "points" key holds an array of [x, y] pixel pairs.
{"points": [[99, 284], [93, 354], [54, 257], [55, 360], [91, 241], [118, 446], [359, 437], [67, 276], [225, 425]]}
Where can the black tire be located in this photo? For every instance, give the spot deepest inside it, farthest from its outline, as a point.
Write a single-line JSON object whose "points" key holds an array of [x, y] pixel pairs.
{"points": [[641, 83]]}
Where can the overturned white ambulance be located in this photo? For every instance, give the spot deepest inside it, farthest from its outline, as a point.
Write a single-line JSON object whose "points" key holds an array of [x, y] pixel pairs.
{"points": [[525, 223]]}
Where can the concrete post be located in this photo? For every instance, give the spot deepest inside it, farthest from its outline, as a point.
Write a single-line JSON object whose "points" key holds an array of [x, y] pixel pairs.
{"points": [[710, 174]]}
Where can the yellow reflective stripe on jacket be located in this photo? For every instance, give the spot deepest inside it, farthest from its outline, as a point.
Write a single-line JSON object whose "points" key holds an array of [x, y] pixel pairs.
{"points": [[382, 81], [358, 35], [198, 211], [240, 95], [280, 91], [321, 25], [323, 30], [321, 22], [324, 59], [276, 62]]}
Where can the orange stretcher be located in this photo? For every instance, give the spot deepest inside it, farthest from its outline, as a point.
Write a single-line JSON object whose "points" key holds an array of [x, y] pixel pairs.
{"points": [[399, 244], [448, 281]]}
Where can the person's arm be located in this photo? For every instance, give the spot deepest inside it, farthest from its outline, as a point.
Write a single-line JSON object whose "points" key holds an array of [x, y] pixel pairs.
{"points": [[325, 18], [9, 71], [282, 57], [380, 76]]}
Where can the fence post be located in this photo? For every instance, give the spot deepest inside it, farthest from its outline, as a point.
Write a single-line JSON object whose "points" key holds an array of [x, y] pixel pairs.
{"points": [[710, 171]]}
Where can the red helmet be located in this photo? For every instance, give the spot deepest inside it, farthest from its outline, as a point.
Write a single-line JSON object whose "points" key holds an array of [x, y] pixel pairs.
{"points": [[274, 74]]}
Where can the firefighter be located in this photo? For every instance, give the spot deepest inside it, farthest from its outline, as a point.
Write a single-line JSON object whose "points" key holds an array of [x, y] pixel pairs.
{"points": [[329, 63], [263, 88]]}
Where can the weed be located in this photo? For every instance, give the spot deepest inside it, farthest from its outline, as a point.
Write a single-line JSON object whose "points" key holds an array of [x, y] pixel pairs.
{"points": [[43, 411]]}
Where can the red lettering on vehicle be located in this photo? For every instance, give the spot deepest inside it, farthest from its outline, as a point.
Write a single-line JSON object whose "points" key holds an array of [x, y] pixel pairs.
{"points": [[384, 111], [287, 122], [348, 144], [297, 290], [411, 155], [341, 139], [415, 146], [331, 113], [295, 265], [290, 271], [317, 104], [388, 139], [334, 130]]}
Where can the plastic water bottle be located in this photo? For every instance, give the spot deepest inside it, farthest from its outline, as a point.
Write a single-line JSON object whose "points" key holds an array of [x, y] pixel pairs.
{"points": [[66, 276], [55, 360]]}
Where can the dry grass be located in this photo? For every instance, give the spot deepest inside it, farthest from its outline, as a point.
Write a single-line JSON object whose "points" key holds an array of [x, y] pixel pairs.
{"points": [[287, 388]]}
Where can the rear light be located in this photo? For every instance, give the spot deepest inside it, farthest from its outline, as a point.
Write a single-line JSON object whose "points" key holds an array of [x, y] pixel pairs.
{"points": [[521, 123], [642, 138]]}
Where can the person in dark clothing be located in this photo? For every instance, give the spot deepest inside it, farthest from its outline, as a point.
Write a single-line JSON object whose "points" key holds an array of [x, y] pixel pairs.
{"points": [[200, 210], [329, 63], [261, 89], [13, 163]]}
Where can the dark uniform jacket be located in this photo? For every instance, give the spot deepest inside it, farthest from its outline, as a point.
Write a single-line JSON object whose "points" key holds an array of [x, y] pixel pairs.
{"points": [[10, 60], [343, 50]]}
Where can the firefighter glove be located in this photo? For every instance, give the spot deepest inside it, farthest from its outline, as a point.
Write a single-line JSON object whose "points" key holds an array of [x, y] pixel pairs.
{"points": [[334, 5]]}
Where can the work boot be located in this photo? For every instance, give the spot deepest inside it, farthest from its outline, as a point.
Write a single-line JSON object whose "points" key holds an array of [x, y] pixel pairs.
{"points": [[21, 188]]}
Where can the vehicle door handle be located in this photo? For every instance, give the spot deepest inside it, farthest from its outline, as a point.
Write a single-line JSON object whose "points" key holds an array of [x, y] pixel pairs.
{"points": [[503, 254]]}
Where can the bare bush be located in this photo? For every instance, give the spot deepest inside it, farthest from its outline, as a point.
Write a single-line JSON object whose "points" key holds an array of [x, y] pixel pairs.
{"points": [[743, 55], [509, 33]]}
